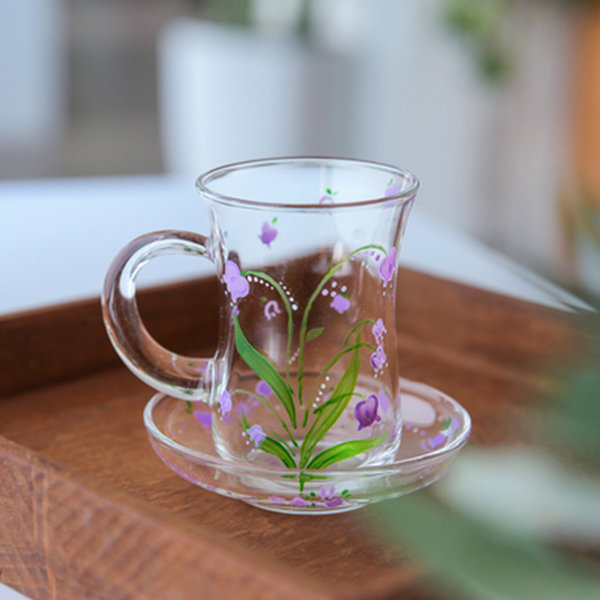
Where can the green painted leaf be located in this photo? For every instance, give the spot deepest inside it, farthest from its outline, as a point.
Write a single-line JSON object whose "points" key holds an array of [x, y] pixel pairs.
{"points": [[343, 352], [265, 370], [331, 413], [304, 324], [314, 333], [343, 451], [333, 400], [272, 446], [445, 424]]}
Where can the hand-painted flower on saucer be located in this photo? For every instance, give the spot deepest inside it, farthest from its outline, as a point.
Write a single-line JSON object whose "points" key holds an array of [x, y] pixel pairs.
{"points": [[204, 417]]}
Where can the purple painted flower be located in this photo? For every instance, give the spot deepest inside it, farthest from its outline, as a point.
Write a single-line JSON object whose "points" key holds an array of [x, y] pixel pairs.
{"points": [[384, 401], [263, 389], [328, 197], [437, 441], [327, 493], [204, 418], [393, 189], [267, 234], [340, 303], [378, 358], [256, 434], [334, 502], [366, 412], [271, 309], [298, 501], [237, 285], [388, 266], [225, 403], [379, 329]]}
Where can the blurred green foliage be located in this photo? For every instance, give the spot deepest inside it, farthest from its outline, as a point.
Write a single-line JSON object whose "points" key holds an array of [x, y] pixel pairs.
{"points": [[482, 25], [481, 559]]}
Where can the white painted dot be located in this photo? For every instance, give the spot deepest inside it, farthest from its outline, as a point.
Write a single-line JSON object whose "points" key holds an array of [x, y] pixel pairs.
{"points": [[333, 294], [325, 292], [334, 284], [344, 288], [294, 307]]}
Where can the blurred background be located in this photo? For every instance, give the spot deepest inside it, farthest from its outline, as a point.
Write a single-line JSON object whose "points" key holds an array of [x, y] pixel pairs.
{"points": [[494, 104]]}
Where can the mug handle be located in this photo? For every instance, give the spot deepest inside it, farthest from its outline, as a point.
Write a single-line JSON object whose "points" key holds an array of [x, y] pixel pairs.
{"points": [[188, 378]]}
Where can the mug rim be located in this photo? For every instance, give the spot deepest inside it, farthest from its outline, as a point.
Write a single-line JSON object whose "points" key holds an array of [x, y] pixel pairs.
{"points": [[204, 180]]}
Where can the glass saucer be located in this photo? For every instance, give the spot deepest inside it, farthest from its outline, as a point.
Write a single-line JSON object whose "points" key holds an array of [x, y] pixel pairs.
{"points": [[435, 428]]}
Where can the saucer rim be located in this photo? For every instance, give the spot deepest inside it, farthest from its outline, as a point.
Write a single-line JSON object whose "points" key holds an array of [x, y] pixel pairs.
{"points": [[216, 461]]}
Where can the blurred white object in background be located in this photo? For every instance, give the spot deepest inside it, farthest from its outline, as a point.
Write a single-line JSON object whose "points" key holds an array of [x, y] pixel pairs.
{"points": [[229, 93], [33, 72]]}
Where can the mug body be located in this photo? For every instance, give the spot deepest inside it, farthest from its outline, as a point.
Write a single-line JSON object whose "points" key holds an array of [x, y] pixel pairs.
{"points": [[306, 252]]}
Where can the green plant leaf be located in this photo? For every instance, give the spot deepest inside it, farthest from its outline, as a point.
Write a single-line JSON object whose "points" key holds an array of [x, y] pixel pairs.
{"points": [[480, 559], [314, 333], [265, 370], [272, 446], [343, 451], [331, 413]]}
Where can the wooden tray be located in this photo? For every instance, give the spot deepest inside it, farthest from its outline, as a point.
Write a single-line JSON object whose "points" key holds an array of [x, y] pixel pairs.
{"points": [[88, 511]]}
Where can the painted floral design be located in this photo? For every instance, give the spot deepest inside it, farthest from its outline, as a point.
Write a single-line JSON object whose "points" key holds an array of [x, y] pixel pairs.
{"points": [[256, 434], [271, 309], [284, 394], [268, 233], [384, 401], [388, 266], [379, 329], [225, 403], [237, 285], [378, 359], [393, 188], [263, 389], [327, 198], [327, 498], [204, 417], [340, 303], [366, 412]]}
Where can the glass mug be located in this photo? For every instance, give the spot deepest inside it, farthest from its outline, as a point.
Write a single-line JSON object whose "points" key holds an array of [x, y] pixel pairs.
{"points": [[305, 373]]}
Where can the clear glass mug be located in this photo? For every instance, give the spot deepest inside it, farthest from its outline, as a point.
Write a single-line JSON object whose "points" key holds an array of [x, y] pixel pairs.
{"points": [[305, 372]]}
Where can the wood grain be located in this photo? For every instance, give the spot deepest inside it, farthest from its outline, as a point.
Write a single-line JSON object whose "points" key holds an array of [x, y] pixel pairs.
{"points": [[53, 344], [88, 510]]}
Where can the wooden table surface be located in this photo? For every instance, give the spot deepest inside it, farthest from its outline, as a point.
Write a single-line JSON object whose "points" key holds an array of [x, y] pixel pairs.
{"points": [[87, 510]]}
